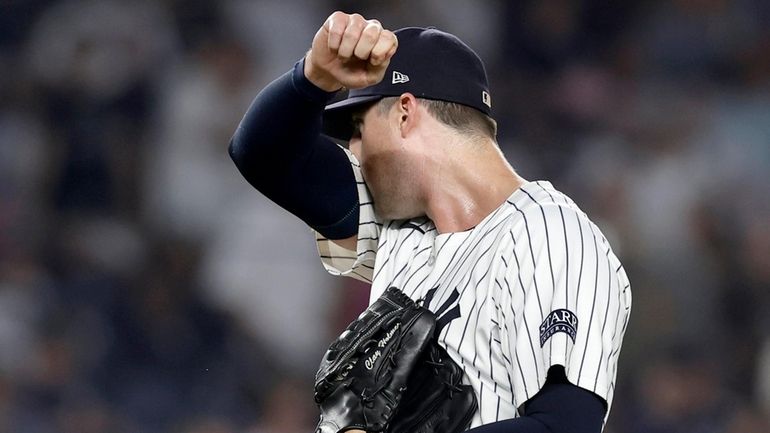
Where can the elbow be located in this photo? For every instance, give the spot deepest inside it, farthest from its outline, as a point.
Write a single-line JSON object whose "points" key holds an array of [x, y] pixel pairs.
{"points": [[237, 150], [251, 158], [232, 150]]}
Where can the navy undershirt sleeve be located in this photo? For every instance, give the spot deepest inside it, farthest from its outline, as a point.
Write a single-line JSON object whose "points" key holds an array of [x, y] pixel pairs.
{"points": [[559, 407], [279, 149]]}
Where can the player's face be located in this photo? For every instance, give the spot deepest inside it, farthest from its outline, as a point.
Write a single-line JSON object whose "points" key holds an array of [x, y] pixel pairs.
{"points": [[388, 166]]}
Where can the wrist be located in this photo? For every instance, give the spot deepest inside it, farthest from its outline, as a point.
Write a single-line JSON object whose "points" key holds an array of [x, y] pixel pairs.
{"points": [[318, 78], [305, 87]]}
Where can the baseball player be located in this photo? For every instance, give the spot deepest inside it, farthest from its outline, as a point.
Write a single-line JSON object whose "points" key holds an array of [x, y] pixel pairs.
{"points": [[530, 300]]}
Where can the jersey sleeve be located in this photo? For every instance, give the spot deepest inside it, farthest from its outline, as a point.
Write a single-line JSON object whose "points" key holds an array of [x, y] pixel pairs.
{"points": [[357, 264], [565, 301]]}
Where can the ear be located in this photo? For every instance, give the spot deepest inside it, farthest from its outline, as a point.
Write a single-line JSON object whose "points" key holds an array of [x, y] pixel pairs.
{"points": [[408, 117]]}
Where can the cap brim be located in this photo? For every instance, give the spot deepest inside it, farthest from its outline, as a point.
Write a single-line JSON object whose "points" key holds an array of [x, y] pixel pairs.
{"points": [[336, 116]]}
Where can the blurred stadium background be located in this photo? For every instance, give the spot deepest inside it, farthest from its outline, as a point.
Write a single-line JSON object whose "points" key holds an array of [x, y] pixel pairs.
{"points": [[145, 287]]}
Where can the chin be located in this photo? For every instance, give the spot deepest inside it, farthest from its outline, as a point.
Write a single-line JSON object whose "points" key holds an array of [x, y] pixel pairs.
{"points": [[384, 212], [393, 202]]}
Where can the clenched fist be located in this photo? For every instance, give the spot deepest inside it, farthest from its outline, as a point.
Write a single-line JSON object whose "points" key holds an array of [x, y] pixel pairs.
{"points": [[349, 51]]}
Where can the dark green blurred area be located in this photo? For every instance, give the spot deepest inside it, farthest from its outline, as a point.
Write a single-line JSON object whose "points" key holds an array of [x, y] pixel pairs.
{"points": [[145, 287]]}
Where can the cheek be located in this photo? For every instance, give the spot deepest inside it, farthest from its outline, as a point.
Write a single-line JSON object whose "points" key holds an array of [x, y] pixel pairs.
{"points": [[367, 152], [383, 172], [355, 148], [375, 171], [370, 171], [379, 157]]}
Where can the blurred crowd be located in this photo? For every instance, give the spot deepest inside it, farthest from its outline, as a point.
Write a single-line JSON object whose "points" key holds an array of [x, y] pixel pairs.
{"points": [[146, 287]]}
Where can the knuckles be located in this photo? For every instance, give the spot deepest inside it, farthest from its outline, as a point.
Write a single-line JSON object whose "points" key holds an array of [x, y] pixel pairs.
{"points": [[373, 26], [392, 36], [337, 31], [337, 23], [339, 15], [376, 58], [347, 31], [370, 34], [342, 24], [356, 26]]}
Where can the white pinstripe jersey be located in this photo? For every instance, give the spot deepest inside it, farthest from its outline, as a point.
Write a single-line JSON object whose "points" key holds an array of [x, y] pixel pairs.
{"points": [[534, 284]]}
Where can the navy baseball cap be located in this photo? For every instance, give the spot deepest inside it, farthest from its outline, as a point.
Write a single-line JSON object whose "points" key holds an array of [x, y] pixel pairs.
{"points": [[428, 63]]}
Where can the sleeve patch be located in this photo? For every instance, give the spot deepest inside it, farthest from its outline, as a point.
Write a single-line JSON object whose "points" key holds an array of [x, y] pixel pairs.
{"points": [[560, 320]]}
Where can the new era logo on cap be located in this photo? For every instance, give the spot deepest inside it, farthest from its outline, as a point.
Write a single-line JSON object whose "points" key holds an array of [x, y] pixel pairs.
{"points": [[486, 99], [399, 78]]}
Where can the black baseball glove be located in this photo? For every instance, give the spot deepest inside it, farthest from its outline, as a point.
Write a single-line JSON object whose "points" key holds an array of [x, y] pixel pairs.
{"points": [[364, 373], [435, 400]]}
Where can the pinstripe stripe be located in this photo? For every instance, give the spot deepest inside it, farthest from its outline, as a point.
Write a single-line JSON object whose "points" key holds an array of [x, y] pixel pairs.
{"points": [[604, 324], [591, 316], [532, 255], [526, 325]]}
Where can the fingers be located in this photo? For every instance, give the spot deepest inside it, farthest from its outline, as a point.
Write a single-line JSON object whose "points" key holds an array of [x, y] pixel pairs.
{"points": [[349, 51], [352, 35], [335, 25], [384, 49], [369, 37]]}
